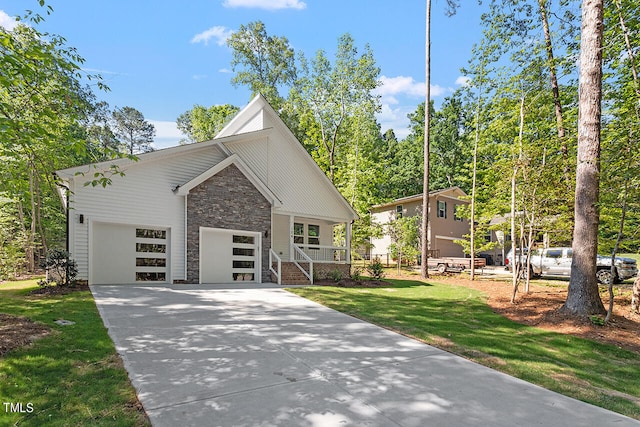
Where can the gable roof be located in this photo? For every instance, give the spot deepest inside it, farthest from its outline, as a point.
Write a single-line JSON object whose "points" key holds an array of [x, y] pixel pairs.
{"points": [[234, 159], [257, 141], [455, 192]]}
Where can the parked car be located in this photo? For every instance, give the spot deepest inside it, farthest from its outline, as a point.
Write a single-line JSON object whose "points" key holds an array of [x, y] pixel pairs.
{"points": [[556, 262]]}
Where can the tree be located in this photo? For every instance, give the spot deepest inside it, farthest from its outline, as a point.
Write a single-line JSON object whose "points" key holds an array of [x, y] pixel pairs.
{"points": [[133, 130], [262, 62], [333, 98], [202, 123], [583, 297], [405, 239], [42, 101]]}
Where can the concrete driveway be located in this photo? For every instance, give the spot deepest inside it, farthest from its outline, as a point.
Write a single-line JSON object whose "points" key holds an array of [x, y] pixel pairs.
{"points": [[206, 355]]}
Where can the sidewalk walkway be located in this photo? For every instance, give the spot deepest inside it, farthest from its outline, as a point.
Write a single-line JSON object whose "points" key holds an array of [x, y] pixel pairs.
{"points": [[206, 355]]}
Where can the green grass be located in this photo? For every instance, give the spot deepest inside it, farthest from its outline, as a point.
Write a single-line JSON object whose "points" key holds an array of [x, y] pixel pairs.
{"points": [[71, 377], [458, 319]]}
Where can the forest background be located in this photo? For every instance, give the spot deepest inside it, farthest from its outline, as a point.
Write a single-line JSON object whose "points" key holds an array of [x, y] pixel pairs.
{"points": [[523, 119]]}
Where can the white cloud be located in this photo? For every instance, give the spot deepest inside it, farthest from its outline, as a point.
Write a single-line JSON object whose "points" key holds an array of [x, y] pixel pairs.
{"points": [[167, 134], [199, 76], [395, 118], [392, 86], [225, 71], [218, 33], [463, 81], [401, 85], [266, 4], [6, 21]]}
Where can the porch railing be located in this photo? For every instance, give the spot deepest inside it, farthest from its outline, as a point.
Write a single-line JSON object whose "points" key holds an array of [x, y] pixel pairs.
{"points": [[276, 271], [300, 256], [321, 253]]}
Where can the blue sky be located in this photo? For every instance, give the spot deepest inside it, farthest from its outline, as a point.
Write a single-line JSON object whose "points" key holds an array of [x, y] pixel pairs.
{"points": [[163, 57]]}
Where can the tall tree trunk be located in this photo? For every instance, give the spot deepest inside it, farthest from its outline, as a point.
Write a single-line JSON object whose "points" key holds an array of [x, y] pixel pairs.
{"points": [[635, 297], [555, 88], [424, 258], [583, 297]]}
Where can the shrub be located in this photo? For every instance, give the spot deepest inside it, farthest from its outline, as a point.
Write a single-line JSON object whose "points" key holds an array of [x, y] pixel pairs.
{"points": [[335, 275], [60, 268], [356, 273], [375, 269]]}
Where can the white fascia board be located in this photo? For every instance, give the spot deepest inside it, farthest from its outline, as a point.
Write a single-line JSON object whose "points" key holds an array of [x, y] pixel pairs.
{"points": [[319, 217], [234, 159]]}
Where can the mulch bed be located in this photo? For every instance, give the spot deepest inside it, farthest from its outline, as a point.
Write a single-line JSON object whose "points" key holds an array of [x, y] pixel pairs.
{"points": [[59, 290], [16, 331]]}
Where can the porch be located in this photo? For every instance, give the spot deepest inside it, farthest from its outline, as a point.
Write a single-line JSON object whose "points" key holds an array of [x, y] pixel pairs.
{"points": [[306, 248]]}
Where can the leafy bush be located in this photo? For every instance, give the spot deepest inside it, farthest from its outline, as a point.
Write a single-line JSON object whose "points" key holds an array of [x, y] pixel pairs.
{"points": [[375, 269], [335, 275], [356, 273], [60, 268]]}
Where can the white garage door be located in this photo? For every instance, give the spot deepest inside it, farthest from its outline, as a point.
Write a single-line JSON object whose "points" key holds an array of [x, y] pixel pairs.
{"points": [[229, 256], [124, 254]]}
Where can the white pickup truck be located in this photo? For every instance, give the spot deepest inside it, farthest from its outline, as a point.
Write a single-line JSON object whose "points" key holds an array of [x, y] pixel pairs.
{"points": [[556, 262]]}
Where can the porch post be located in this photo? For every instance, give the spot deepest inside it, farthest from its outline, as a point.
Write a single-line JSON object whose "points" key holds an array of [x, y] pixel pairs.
{"points": [[291, 221], [348, 242]]}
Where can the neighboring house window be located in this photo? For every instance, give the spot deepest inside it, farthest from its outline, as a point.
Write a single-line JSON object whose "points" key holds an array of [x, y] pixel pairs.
{"points": [[298, 233], [398, 211], [456, 213], [314, 234], [442, 209]]}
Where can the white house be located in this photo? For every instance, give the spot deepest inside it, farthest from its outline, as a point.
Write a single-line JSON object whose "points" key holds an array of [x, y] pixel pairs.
{"points": [[245, 206]]}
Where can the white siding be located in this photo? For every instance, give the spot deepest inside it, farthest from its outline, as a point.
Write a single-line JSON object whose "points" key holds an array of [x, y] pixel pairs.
{"points": [[293, 176], [280, 236], [143, 197], [381, 245]]}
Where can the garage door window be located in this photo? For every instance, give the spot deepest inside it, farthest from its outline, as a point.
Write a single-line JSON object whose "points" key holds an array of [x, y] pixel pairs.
{"points": [[151, 258]]}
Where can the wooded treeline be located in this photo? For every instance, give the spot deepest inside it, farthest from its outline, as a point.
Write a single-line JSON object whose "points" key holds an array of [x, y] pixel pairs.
{"points": [[520, 106]]}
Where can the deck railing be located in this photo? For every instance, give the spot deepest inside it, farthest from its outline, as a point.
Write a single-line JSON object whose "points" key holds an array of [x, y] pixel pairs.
{"points": [[322, 253], [300, 256], [276, 271]]}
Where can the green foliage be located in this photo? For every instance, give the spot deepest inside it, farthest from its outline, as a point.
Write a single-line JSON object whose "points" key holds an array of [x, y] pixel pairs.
{"points": [[356, 273], [376, 269], [202, 123], [262, 62], [74, 375], [130, 127], [405, 238], [60, 268], [335, 275]]}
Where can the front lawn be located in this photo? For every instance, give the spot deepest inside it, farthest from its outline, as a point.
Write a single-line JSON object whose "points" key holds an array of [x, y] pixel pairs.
{"points": [[457, 319], [71, 377]]}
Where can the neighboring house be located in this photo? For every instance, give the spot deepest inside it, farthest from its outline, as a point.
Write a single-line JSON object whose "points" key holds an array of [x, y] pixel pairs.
{"points": [[444, 225], [219, 211]]}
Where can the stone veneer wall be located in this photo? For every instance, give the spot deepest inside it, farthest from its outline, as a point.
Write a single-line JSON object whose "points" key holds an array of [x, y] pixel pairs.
{"points": [[226, 200]]}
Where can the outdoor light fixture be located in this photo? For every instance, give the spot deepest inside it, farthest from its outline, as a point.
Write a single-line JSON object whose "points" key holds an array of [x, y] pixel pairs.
{"points": [[81, 219]]}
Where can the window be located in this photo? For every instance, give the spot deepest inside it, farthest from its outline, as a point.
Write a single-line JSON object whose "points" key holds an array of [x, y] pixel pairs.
{"points": [[150, 277], [398, 211], [243, 264], [243, 252], [298, 233], [249, 240], [150, 233], [151, 247], [314, 234], [442, 209], [456, 213], [311, 237], [554, 253], [151, 262]]}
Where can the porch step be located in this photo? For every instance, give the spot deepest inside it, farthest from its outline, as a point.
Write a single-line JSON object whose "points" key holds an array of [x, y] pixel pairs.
{"points": [[291, 274]]}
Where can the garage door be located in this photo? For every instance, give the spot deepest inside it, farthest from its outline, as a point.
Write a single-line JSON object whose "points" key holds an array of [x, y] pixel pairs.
{"points": [[229, 256], [123, 254]]}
